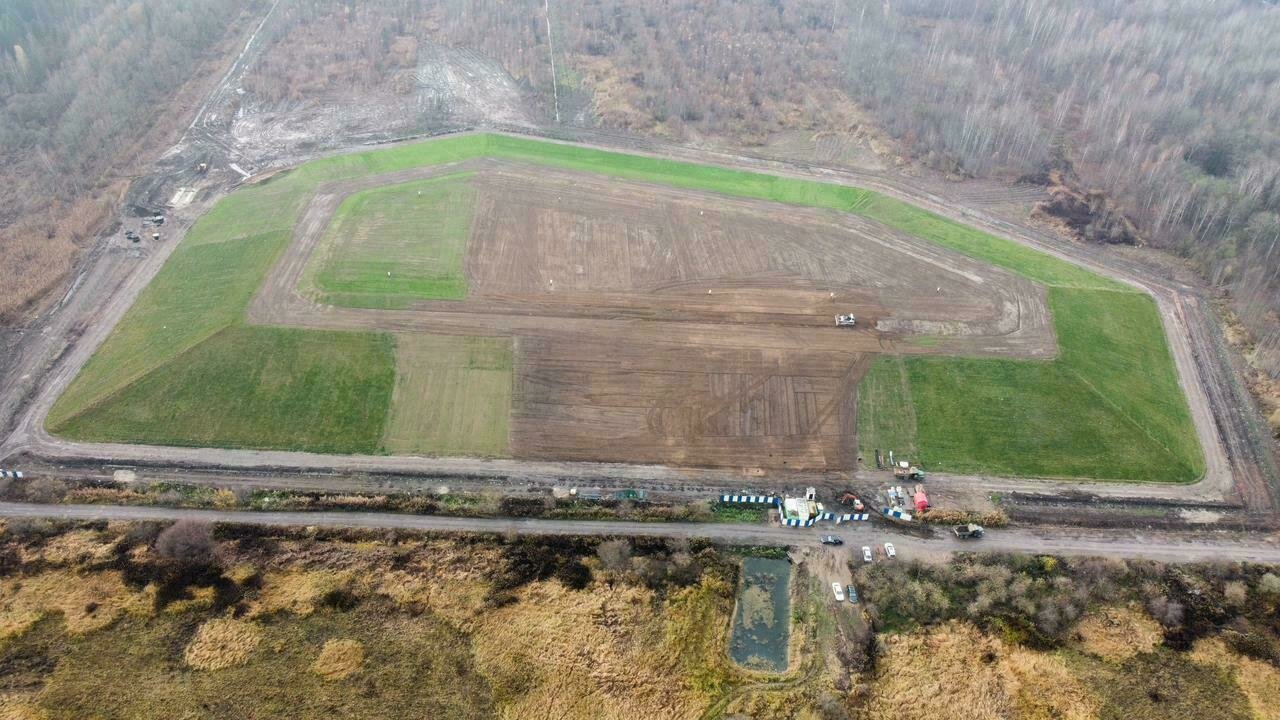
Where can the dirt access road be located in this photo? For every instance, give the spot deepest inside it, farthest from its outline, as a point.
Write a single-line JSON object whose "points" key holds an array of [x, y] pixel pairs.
{"points": [[1169, 547]]}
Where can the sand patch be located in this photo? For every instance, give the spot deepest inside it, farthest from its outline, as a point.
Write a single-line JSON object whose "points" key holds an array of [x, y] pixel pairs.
{"points": [[299, 592], [1043, 688], [78, 547], [596, 654], [1259, 681], [959, 665]]}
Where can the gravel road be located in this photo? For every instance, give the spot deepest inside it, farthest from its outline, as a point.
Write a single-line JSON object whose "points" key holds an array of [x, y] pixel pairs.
{"points": [[1168, 547]]}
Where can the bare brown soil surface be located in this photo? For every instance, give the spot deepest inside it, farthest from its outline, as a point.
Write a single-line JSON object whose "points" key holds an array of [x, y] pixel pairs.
{"points": [[686, 405], [663, 326]]}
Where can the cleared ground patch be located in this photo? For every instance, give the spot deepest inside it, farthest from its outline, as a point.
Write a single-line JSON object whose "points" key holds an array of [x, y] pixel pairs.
{"points": [[658, 402], [452, 396], [388, 246]]}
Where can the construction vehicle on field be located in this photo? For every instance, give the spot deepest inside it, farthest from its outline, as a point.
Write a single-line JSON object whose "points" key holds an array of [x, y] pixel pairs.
{"points": [[968, 532], [851, 500], [846, 321]]}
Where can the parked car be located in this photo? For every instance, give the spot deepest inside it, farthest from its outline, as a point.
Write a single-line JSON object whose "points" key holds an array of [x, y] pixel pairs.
{"points": [[831, 540], [851, 594], [889, 551], [866, 553], [839, 592]]}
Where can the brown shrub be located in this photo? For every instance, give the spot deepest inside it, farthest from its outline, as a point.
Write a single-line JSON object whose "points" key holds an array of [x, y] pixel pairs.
{"points": [[1116, 634], [187, 544]]}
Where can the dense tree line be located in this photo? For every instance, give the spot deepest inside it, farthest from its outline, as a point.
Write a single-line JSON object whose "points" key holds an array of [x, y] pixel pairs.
{"points": [[1171, 108], [81, 82], [679, 68]]}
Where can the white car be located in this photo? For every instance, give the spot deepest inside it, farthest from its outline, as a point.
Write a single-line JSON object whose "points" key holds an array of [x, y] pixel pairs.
{"points": [[846, 321], [839, 591], [866, 553], [889, 551]]}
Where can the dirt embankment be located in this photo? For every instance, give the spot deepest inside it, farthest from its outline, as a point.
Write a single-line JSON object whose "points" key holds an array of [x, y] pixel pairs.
{"points": [[1086, 214]]}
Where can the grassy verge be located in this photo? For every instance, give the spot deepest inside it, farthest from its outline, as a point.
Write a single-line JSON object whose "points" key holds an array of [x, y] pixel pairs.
{"points": [[1108, 407]]}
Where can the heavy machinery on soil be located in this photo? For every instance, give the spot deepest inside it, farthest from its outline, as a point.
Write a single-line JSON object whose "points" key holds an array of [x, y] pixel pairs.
{"points": [[904, 470], [851, 500], [846, 321], [968, 532]]}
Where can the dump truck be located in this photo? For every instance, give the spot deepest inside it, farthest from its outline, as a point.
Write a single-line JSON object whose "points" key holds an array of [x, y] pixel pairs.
{"points": [[968, 532], [846, 321]]}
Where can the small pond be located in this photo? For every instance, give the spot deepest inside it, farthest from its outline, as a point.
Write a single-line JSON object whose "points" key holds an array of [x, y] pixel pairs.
{"points": [[762, 618]]}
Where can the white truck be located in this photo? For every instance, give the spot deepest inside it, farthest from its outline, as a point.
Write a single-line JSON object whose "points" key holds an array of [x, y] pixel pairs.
{"points": [[846, 321]]}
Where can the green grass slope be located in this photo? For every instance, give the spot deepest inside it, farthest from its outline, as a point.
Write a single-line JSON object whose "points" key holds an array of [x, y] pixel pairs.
{"points": [[885, 420], [271, 388], [389, 246], [1108, 407]]}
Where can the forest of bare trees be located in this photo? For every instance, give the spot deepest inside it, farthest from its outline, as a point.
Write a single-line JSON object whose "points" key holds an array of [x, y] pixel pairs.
{"points": [[81, 83], [1171, 108]]}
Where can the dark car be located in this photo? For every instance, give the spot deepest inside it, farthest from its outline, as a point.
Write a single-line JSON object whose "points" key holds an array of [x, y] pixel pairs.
{"points": [[831, 540]]}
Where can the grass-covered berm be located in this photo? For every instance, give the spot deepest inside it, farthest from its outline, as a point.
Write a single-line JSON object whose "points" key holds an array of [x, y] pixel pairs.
{"points": [[184, 368]]}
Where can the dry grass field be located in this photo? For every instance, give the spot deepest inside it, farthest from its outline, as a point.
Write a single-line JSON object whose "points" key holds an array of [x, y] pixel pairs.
{"points": [[452, 396], [295, 624]]}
